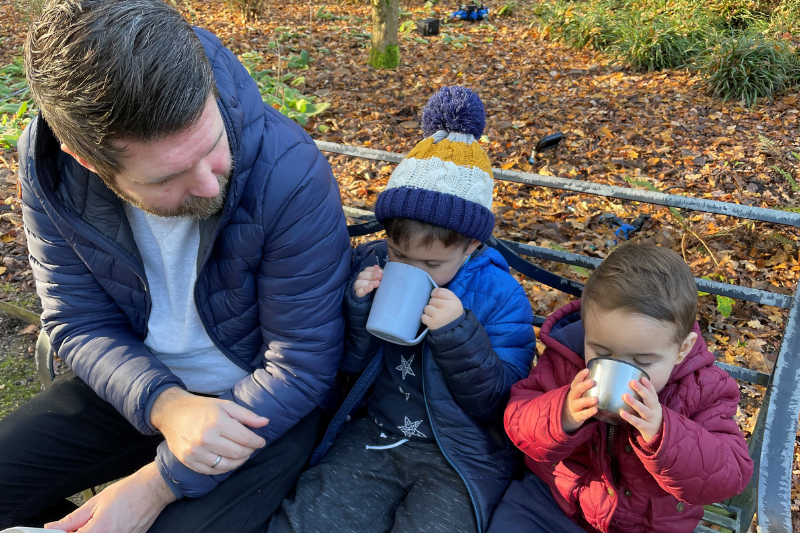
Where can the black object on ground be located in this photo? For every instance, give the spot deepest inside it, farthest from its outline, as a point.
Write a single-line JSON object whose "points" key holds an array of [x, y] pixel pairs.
{"points": [[547, 143], [427, 27]]}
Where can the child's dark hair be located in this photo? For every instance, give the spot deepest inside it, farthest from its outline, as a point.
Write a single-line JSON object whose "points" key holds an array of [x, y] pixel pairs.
{"points": [[647, 280], [407, 231]]}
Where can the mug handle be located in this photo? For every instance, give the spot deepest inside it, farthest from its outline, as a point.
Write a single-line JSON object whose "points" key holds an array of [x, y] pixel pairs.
{"points": [[425, 331], [435, 286]]}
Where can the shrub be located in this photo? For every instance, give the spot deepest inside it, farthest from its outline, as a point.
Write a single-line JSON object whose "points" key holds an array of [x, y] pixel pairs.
{"points": [[507, 10], [786, 17], [749, 66], [578, 25], [279, 93], [740, 14], [15, 111], [659, 43]]}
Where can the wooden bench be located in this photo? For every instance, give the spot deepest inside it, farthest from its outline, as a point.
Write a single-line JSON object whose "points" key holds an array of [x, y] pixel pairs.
{"points": [[773, 438]]}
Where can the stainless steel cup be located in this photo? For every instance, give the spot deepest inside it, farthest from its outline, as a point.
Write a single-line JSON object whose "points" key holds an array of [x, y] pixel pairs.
{"points": [[612, 378]]}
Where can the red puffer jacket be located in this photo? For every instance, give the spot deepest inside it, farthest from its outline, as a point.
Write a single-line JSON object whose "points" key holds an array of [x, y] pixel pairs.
{"points": [[698, 458]]}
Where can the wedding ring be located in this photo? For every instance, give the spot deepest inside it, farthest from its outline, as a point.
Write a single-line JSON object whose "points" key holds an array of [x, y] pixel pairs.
{"points": [[219, 458]]}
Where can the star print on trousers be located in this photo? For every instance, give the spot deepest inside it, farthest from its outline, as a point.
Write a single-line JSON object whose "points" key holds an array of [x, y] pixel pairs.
{"points": [[404, 392], [409, 429], [405, 366]]}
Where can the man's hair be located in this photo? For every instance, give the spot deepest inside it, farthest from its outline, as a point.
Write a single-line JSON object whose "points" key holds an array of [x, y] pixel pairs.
{"points": [[407, 231], [102, 70], [647, 280]]}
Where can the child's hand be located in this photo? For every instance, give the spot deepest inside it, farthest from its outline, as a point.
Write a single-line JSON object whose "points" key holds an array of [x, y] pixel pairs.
{"points": [[650, 411], [443, 308], [368, 280], [578, 410]]}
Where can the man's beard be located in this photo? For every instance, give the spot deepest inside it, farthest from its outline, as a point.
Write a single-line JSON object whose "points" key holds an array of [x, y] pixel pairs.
{"points": [[194, 206]]}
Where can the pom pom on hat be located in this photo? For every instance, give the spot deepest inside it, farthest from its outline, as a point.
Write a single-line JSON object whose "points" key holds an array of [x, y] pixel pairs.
{"points": [[454, 109]]}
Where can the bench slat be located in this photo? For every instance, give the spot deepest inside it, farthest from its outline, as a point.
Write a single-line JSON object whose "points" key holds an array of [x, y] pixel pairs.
{"points": [[713, 287], [784, 218]]}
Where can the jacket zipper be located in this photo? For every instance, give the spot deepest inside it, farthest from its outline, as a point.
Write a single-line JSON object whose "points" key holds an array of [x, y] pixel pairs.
{"points": [[610, 433], [210, 245], [436, 437]]}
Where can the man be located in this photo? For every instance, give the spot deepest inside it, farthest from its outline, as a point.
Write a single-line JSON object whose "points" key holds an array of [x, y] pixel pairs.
{"points": [[190, 252]]}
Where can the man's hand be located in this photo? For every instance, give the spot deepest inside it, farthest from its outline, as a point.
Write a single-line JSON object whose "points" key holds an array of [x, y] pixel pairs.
{"points": [[578, 410], [199, 429], [128, 506], [443, 308], [368, 280], [649, 409]]}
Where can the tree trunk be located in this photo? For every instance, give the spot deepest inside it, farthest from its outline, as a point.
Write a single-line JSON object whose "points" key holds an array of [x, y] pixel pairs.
{"points": [[384, 52]]}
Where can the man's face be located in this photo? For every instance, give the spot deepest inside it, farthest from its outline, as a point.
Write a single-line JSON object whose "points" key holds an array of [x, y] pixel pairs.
{"points": [[185, 174]]}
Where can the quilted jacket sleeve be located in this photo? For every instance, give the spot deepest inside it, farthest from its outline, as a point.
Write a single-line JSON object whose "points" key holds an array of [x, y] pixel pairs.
{"points": [[301, 279], [86, 327], [703, 458], [533, 415], [360, 346], [478, 367]]}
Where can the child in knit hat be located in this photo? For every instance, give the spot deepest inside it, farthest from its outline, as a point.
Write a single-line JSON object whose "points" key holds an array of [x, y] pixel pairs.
{"points": [[418, 445]]}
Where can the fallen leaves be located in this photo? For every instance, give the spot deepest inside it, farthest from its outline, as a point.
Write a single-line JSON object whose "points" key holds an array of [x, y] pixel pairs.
{"points": [[659, 128]]}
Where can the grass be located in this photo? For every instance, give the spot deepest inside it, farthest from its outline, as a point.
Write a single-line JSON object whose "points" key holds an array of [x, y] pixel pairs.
{"points": [[749, 66], [742, 48], [15, 385]]}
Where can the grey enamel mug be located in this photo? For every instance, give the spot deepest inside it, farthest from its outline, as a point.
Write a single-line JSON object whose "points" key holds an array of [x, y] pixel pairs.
{"points": [[612, 378], [398, 305]]}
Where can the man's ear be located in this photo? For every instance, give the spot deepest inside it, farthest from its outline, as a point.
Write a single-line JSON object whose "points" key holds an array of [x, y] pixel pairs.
{"points": [[79, 159], [687, 345]]}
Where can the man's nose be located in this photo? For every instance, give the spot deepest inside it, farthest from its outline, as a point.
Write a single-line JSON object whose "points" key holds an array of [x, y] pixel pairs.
{"points": [[206, 185]]}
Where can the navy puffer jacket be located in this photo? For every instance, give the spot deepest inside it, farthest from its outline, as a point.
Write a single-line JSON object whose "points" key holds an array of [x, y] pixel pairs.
{"points": [[271, 270], [468, 369]]}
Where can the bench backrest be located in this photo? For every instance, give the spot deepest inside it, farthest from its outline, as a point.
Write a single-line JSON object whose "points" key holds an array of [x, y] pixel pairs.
{"points": [[773, 438]]}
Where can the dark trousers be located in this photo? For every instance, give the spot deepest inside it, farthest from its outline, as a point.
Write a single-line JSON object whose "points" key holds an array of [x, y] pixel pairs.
{"points": [[67, 439], [406, 489], [528, 506]]}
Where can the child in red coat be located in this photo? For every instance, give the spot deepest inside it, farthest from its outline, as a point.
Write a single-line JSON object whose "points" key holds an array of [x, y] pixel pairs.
{"points": [[681, 450]]}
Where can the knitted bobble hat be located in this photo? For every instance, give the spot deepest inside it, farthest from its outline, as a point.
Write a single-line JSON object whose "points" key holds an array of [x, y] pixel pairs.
{"points": [[446, 180]]}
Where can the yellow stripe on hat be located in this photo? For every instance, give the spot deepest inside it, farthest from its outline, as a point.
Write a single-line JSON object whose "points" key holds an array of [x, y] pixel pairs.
{"points": [[462, 154]]}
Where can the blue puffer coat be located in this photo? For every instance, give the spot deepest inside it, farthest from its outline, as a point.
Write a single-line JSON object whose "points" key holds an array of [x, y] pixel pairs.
{"points": [[271, 270], [468, 368]]}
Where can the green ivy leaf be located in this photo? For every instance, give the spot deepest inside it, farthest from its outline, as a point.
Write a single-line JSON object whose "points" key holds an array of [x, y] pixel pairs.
{"points": [[724, 305]]}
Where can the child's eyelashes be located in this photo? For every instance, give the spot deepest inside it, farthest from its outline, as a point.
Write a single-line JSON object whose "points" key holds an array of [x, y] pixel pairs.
{"points": [[432, 265], [643, 365]]}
